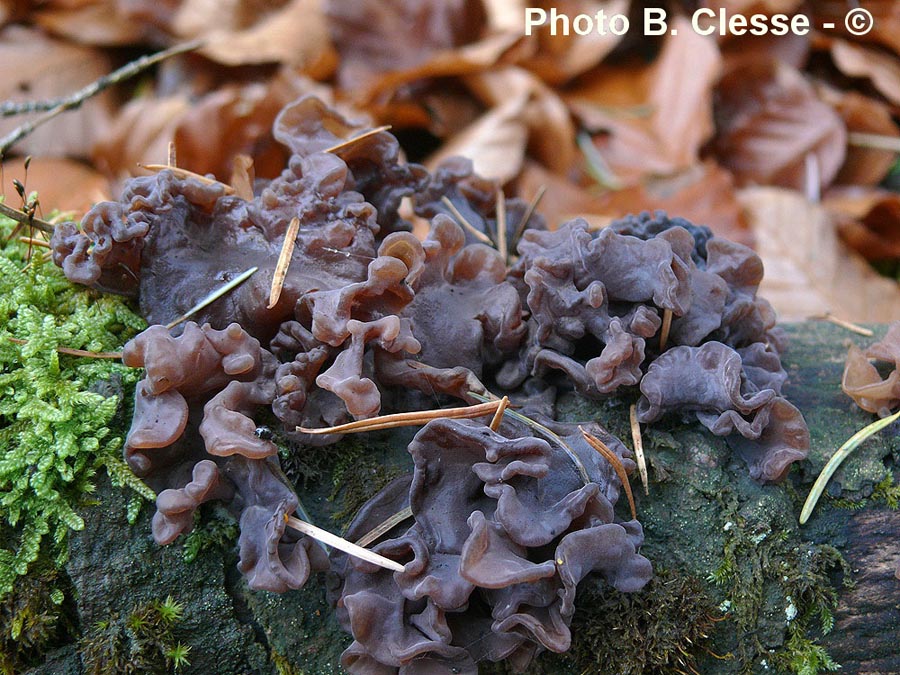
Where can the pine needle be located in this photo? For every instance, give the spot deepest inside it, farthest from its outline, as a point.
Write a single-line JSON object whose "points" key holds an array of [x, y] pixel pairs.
{"points": [[532, 205], [666, 327], [184, 174], [639, 448], [337, 542], [75, 352], [380, 530], [498, 416], [852, 327], [407, 419], [212, 297], [617, 465], [837, 459], [284, 260], [501, 226], [353, 139], [461, 219]]}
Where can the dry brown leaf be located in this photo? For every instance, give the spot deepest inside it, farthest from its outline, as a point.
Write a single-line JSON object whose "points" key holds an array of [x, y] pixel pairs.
{"points": [[494, 50], [524, 113], [560, 58], [551, 133], [885, 26], [294, 34], [140, 134], [35, 67], [808, 270], [868, 221], [863, 165], [96, 23], [770, 122], [666, 112], [495, 143], [375, 37], [61, 184], [881, 68]]}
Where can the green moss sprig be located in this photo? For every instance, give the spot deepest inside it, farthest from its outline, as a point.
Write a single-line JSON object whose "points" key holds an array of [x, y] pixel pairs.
{"points": [[57, 411]]}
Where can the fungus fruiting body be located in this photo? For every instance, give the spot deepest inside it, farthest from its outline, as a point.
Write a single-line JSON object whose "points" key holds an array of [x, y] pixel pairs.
{"points": [[368, 319]]}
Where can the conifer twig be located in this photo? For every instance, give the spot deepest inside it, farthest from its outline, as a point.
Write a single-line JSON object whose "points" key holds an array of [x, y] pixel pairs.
{"points": [[25, 219], [75, 100]]}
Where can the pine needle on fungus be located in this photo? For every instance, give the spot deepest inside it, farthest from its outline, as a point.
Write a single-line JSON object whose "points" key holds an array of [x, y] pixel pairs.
{"points": [[284, 260], [617, 465], [837, 459], [354, 139], [212, 297], [348, 547]]}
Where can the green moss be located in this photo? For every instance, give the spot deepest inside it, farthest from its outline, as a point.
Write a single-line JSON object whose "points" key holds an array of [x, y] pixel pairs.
{"points": [[213, 528], [887, 492], [356, 477], [33, 620], [143, 641], [660, 629], [54, 422]]}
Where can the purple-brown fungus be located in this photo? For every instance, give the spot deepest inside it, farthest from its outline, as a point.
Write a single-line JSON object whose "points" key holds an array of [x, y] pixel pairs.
{"points": [[372, 320], [503, 529]]}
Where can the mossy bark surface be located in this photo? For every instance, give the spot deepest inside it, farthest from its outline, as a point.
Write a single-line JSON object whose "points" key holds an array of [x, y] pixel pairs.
{"points": [[741, 587]]}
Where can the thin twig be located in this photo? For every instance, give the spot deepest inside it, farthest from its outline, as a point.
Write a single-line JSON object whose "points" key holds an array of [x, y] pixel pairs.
{"points": [[284, 260], [25, 219], [666, 327], [859, 330], [75, 352], [380, 530], [212, 297], [31, 241], [498, 416], [639, 448], [184, 174], [501, 226], [461, 219], [842, 453], [94, 88], [616, 463], [354, 139], [407, 419], [532, 205], [342, 544]]}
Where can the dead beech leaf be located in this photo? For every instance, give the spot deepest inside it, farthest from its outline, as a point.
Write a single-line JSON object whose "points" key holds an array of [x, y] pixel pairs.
{"points": [[35, 67], [868, 221], [881, 68], [382, 36], [654, 119], [492, 51], [808, 270], [294, 34], [560, 58], [770, 121], [550, 129], [61, 184], [99, 23], [495, 143], [863, 166], [140, 134]]}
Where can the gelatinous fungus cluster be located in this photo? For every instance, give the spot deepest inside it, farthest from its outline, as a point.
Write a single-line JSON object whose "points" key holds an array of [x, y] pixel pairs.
{"points": [[502, 525]]}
